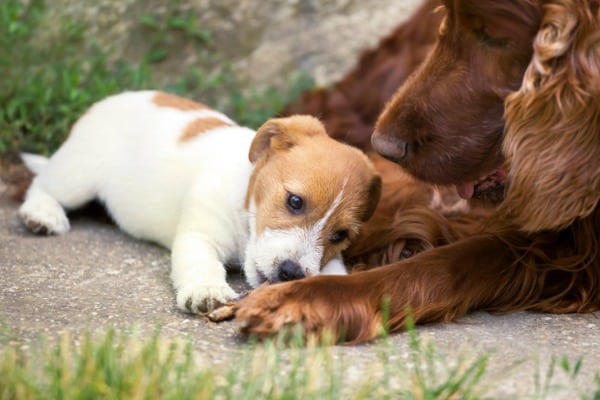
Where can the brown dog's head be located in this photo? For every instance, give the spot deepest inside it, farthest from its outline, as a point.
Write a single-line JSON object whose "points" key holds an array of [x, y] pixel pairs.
{"points": [[445, 125], [510, 93], [307, 198]]}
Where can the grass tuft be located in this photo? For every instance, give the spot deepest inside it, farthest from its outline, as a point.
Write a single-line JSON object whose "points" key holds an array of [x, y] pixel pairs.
{"points": [[114, 366]]}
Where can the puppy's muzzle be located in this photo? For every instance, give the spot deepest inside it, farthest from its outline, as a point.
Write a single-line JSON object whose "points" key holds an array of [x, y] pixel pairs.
{"points": [[289, 270]]}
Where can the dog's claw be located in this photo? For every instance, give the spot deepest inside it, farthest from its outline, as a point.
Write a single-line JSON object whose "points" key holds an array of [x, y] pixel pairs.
{"points": [[223, 313]]}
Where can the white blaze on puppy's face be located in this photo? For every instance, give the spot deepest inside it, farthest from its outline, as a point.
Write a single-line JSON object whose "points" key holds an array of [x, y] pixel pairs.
{"points": [[307, 198], [302, 245]]}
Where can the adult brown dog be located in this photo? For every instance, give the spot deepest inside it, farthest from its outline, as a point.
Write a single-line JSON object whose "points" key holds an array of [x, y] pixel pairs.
{"points": [[506, 107]]}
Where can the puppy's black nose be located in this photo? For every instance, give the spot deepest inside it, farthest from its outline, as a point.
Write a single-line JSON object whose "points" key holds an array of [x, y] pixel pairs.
{"points": [[289, 271]]}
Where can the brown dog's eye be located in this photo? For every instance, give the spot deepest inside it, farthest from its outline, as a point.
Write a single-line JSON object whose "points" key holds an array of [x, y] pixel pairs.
{"points": [[295, 204], [338, 236], [491, 41], [486, 35]]}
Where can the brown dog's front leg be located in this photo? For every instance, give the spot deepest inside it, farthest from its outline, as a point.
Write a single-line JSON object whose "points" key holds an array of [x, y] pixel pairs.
{"points": [[438, 285]]}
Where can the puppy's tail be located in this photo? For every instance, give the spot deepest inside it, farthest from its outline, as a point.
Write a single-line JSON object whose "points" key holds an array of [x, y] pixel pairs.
{"points": [[34, 162]]}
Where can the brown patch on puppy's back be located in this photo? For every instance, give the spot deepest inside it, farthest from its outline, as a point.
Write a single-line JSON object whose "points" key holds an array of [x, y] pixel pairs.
{"points": [[201, 125], [163, 99]]}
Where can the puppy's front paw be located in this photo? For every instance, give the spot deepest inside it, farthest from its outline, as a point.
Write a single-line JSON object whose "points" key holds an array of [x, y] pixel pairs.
{"points": [[44, 216], [199, 298]]}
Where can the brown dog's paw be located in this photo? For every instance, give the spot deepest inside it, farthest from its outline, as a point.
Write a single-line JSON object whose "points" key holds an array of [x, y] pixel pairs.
{"points": [[268, 309], [325, 308], [223, 313]]}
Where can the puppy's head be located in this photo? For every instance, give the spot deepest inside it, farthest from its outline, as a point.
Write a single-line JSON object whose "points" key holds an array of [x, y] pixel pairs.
{"points": [[307, 198]]}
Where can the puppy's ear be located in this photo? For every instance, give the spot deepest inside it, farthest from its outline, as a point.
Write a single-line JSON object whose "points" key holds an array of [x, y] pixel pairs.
{"points": [[373, 195], [281, 134], [270, 136]]}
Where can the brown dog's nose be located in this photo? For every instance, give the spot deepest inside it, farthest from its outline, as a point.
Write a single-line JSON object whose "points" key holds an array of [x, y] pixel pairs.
{"points": [[289, 271], [389, 147]]}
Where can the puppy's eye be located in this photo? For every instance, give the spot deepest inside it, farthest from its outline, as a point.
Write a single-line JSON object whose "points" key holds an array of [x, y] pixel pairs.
{"points": [[295, 204], [338, 236]]}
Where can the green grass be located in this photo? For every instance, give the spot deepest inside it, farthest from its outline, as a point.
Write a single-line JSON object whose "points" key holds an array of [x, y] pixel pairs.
{"points": [[112, 366], [46, 87]]}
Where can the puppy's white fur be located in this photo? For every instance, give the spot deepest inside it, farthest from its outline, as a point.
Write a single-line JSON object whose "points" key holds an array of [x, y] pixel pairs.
{"points": [[187, 194]]}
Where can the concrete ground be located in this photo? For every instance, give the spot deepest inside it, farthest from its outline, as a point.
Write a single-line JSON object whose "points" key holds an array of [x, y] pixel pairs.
{"points": [[95, 278]]}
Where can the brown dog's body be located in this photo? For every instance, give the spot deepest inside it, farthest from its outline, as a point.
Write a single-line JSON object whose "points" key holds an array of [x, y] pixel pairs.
{"points": [[507, 108]]}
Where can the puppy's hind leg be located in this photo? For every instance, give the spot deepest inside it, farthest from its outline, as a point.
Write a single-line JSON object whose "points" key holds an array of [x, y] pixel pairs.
{"points": [[62, 183]]}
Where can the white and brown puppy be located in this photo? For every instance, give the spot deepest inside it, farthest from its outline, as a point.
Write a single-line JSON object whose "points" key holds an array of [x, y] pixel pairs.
{"points": [[283, 201]]}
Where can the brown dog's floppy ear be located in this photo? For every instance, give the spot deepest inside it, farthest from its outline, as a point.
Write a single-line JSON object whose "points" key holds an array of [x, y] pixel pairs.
{"points": [[280, 134], [373, 197], [552, 137]]}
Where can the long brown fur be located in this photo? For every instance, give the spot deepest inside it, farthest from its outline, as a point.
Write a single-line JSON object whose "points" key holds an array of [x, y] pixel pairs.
{"points": [[556, 112], [511, 82]]}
